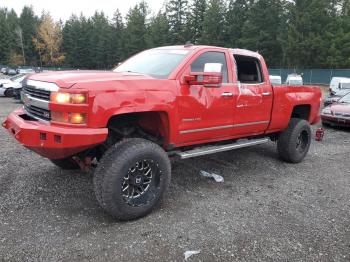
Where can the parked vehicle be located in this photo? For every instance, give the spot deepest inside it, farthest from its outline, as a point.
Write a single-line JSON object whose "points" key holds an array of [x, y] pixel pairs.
{"points": [[334, 98], [275, 80], [170, 102], [294, 80], [25, 71], [5, 91], [337, 84], [11, 71], [337, 114], [3, 70], [7, 86]]}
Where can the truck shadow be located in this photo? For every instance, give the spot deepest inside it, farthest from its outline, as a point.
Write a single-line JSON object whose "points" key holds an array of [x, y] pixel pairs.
{"points": [[71, 193]]}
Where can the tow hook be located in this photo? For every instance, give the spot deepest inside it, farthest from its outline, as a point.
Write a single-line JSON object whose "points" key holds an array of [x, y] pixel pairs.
{"points": [[319, 134], [85, 165]]}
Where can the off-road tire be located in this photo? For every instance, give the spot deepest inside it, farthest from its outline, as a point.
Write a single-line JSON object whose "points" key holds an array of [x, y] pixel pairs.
{"points": [[65, 164], [117, 163], [288, 144]]}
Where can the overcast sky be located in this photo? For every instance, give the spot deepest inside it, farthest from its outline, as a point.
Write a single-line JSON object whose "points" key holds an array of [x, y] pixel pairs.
{"points": [[62, 9]]}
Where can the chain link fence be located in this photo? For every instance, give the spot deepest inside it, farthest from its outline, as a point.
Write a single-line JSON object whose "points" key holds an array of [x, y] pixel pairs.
{"points": [[312, 76]]}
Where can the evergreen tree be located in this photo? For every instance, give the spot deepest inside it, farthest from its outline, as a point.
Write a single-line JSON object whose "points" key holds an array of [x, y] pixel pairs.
{"points": [[28, 23], [305, 43], [100, 41], [178, 14], [263, 28], [235, 18], [5, 45], [135, 35], [159, 31], [213, 24], [196, 19], [117, 45]]}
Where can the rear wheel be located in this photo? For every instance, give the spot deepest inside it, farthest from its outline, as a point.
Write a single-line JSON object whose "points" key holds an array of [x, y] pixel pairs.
{"points": [[131, 178], [294, 142], [66, 163]]}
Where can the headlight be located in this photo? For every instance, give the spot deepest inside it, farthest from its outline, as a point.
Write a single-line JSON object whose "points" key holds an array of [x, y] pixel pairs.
{"points": [[326, 111], [68, 98], [69, 118]]}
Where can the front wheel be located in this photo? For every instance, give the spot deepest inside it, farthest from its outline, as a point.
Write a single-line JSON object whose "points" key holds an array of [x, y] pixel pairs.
{"points": [[8, 92], [131, 178], [294, 142]]}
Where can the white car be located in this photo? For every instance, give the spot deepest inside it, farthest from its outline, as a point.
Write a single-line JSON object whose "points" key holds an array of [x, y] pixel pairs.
{"points": [[7, 85], [337, 84], [25, 71], [275, 80], [294, 80]]}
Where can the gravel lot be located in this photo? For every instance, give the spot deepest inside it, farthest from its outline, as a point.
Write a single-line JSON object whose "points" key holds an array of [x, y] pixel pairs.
{"points": [[265, 210]]}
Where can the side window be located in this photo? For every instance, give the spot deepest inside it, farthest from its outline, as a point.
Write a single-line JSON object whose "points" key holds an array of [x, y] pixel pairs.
{"points": [[211, 57], [248, 70]]}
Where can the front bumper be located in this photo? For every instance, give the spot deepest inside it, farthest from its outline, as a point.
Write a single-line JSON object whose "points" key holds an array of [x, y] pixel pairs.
{"points": [[49, 141], [335, 121]]}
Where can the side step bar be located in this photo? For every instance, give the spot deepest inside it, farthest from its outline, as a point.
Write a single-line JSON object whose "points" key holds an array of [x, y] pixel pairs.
{"points": [[222, 148]]}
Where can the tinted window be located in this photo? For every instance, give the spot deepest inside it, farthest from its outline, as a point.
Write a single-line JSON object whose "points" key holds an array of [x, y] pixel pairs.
{"points": [[248, 69], [211, 57]]}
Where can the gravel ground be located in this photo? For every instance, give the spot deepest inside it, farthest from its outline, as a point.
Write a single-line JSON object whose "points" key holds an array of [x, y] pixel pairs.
{"points": [[266, 210]]}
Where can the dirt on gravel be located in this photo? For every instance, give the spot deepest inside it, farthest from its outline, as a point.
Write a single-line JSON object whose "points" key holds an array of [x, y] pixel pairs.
{"points": [[266, 210]]}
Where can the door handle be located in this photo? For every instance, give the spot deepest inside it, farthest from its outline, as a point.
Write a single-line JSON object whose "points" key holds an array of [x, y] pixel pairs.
{"points": [[266, 94], [227, 94]]}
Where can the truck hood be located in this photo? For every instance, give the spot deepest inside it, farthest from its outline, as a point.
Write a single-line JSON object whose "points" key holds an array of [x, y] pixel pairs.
{"points": [[66, 79]]}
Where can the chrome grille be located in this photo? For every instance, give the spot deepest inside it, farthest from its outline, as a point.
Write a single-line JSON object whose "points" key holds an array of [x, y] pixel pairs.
{"points": [[37, 112], [37, 93], [36, 98]]}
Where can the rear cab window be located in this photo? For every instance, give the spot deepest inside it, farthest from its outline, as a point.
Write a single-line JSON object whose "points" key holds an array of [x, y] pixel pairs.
{"points": [[248, 69]]}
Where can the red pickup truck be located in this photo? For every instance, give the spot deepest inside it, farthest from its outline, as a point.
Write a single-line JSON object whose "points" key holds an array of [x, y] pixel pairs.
{"points": [[177, 101]]}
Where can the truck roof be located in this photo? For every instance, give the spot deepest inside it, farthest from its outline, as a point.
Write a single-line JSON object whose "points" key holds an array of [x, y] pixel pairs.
{"points": [[235, 51]]}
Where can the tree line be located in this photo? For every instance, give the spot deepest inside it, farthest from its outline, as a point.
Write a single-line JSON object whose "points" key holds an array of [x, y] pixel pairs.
{"points": [[288, 33]]}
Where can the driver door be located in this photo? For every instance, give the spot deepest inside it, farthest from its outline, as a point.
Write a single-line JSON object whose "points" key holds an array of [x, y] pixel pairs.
{"points": [[206, 112]]}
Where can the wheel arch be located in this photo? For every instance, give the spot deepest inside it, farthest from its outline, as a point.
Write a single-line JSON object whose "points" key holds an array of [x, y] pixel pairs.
{"points": [[301, 111], [156, 123]]}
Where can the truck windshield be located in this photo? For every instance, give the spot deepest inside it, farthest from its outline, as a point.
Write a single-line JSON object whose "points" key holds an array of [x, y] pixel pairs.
{"points": [[156, 63]]}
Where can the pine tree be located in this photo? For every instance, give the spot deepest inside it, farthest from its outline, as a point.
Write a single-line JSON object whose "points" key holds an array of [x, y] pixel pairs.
{"points": [[263, 28], [196, 19], [5, 45], [159, 31], [308, 20], [235, 18], [178, 14], [213, 23], [135, 33], [117, 45], [28, 23]]}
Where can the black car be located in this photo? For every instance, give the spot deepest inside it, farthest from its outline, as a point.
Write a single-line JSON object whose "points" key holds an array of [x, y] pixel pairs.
{"points": [[335, 97]]}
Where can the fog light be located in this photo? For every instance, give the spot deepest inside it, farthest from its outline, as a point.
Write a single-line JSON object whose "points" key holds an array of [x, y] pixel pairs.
{"points": [[60, 117], [77, 118]]}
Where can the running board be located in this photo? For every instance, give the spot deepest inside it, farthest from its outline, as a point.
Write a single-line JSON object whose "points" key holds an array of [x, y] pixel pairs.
{"points": [[216, 149]]}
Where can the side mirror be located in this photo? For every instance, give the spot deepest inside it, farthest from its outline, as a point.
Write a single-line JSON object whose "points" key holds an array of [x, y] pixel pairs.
{"points": [[207, 79]]}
